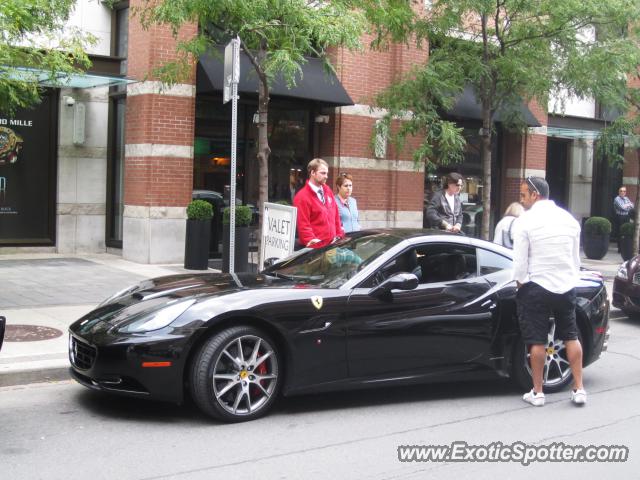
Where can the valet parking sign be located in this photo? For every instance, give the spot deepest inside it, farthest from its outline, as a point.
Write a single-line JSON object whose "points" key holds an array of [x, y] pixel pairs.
{"points": [[278, 231]]}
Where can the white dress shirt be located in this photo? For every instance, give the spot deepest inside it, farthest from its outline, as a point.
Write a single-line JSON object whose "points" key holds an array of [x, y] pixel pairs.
{"points": [[546, 247], [451, 200], [318, 189]]}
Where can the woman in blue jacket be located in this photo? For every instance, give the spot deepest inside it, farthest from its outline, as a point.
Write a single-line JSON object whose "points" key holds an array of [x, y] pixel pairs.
{"points": [[347, 205]]}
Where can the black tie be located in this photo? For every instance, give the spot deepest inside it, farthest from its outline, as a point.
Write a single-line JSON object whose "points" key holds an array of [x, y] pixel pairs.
{"points": [[321, 195]]}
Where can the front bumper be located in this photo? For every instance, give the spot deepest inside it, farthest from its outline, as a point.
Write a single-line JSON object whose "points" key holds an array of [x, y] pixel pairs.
{"points": [[626, 296], [140, 367]]}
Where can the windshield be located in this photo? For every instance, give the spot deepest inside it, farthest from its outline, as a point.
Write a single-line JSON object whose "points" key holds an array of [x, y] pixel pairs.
{"points": [[333, 265]]}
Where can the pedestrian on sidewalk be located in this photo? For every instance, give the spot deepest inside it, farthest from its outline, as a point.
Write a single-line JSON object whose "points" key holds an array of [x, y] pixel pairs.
{"points": [[347, 205], [546, 258], [445, 208], [504, 229], [318, 217]]}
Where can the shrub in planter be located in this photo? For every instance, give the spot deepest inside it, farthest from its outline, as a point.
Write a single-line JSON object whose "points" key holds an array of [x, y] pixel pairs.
{"points": [[199, 210], [625, 240], [241, 251], [243, 216], [196, 246], [596, 237]]}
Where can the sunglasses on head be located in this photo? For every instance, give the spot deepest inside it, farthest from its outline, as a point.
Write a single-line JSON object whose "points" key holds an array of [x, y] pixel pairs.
{"points": [[530, 182], [344, 174]]}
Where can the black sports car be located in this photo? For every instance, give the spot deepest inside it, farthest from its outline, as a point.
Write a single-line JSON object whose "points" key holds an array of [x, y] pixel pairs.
{"points": [[626, 287], [380, 307]]}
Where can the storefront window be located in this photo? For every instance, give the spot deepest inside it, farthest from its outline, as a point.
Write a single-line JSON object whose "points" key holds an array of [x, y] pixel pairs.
{"points": [[118, 104], [212, 147], [28, 143], [117, 183], [289, 141]]}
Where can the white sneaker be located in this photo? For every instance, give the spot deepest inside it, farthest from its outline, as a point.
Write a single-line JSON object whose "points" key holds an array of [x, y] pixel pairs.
{"points": [[535, 399], [579, 397]]}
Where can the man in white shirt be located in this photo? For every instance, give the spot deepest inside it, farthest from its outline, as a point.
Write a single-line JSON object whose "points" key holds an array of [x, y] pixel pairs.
{"points": [[546, 256]]}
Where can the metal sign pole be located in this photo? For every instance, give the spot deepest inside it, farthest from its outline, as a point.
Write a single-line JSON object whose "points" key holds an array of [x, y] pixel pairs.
{"points": [[233, 77]]}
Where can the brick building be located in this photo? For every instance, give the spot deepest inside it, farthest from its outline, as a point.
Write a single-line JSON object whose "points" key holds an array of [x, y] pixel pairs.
{"points": [[146, 148]]}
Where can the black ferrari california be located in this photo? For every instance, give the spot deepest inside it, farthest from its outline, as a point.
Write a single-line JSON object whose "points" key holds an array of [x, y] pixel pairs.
{"points": [[378, 308]]}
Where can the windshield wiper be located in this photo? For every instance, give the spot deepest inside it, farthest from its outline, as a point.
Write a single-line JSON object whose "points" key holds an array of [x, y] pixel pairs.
{"points": [[297, 278]]}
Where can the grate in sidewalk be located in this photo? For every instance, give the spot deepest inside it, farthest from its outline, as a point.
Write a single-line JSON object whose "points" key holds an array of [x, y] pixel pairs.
{"points": [[30, 333]]}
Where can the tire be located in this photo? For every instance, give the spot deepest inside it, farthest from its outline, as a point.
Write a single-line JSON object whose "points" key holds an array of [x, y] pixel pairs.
{"points": [[559, 372], [235, 387]]}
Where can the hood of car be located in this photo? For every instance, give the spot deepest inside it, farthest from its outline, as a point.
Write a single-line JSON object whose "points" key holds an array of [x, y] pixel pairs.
{"points": [[155, 294]]}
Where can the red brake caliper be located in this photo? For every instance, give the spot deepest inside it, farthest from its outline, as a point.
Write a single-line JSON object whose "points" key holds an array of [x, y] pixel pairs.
{"points": [[260, 370]]}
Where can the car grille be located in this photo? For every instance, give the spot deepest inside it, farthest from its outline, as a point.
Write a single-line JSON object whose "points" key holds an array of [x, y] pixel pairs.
{"points": [[81, 355], [636, 278]]}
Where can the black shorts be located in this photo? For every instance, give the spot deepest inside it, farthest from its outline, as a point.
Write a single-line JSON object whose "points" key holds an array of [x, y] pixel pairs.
{"points": [[535, 307]]}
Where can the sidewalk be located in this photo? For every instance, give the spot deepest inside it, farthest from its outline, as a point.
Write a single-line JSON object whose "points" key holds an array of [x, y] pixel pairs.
{"points": [[42, 294]]}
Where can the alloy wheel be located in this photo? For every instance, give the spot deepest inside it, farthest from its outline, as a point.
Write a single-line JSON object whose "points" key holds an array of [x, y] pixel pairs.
{"points": [[556, 364], [245, 375]]}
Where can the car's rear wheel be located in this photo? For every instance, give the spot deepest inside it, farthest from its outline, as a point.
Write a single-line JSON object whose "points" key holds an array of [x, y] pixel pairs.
{"points": [[235, 376], [557, 371]]}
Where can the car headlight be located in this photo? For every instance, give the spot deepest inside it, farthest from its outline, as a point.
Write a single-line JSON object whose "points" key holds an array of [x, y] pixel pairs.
{"points": [[622, 272], [157, 319]]}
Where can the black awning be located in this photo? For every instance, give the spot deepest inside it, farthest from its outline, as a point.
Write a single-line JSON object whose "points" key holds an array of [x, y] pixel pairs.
{"points": [[315, 83], [468, 106]]}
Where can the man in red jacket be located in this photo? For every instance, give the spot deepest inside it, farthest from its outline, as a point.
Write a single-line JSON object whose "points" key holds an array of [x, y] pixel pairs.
{"points": [[318, 216]]}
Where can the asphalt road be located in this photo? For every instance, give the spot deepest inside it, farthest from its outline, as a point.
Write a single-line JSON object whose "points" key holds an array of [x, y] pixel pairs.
{"points": [[64, 431]]}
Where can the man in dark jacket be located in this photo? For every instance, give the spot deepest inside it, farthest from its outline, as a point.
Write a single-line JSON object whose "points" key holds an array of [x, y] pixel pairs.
{"points": [[445, 207]]}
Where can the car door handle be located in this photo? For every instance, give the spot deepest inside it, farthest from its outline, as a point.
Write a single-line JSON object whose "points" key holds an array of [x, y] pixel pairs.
{"points": [[320, 329], [490, 303]]}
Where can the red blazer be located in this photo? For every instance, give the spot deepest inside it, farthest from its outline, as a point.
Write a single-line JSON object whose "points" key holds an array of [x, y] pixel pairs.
{"points": [[316, 220]]}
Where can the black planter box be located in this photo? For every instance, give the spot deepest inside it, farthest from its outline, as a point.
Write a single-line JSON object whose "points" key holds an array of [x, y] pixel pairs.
{"points": [[241, 260], [196, 246], [626, 247], [596, 246]]}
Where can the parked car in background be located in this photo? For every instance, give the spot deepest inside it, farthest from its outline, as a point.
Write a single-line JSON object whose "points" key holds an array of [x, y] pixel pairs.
{"points": [[626, 287], [379, 307]]}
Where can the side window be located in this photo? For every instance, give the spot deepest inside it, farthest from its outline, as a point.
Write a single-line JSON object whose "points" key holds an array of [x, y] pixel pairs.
{"points": [[431, 263], [491, 262], [446, 263], [405, 262]]}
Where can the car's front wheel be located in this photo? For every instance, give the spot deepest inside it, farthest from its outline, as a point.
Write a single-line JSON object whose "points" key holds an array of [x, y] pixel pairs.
{"points": [[235, 376], [557, 371]]}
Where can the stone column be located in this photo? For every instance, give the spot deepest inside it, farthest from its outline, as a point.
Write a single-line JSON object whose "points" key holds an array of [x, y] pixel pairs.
{"points": [[158, 149]]}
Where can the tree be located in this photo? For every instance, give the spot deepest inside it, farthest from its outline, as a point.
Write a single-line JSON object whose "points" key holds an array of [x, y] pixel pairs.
{"points": [[36, 49], [509, 51], [276, 36]]}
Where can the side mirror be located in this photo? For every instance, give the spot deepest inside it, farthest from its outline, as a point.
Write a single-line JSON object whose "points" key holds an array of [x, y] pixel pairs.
{"points": [[400, 281]]}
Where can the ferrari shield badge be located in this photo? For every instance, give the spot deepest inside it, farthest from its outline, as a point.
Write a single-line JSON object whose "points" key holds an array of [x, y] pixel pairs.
{"points": [[317, 301]]}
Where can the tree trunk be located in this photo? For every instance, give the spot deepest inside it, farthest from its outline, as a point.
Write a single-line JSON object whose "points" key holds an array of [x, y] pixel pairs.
{"points": [[263, 139], [486, 171], [488, 88], [636, 231]]}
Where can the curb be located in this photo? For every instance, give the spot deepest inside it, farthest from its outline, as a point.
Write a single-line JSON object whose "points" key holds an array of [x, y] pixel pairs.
{"points": [[24, 377]]}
